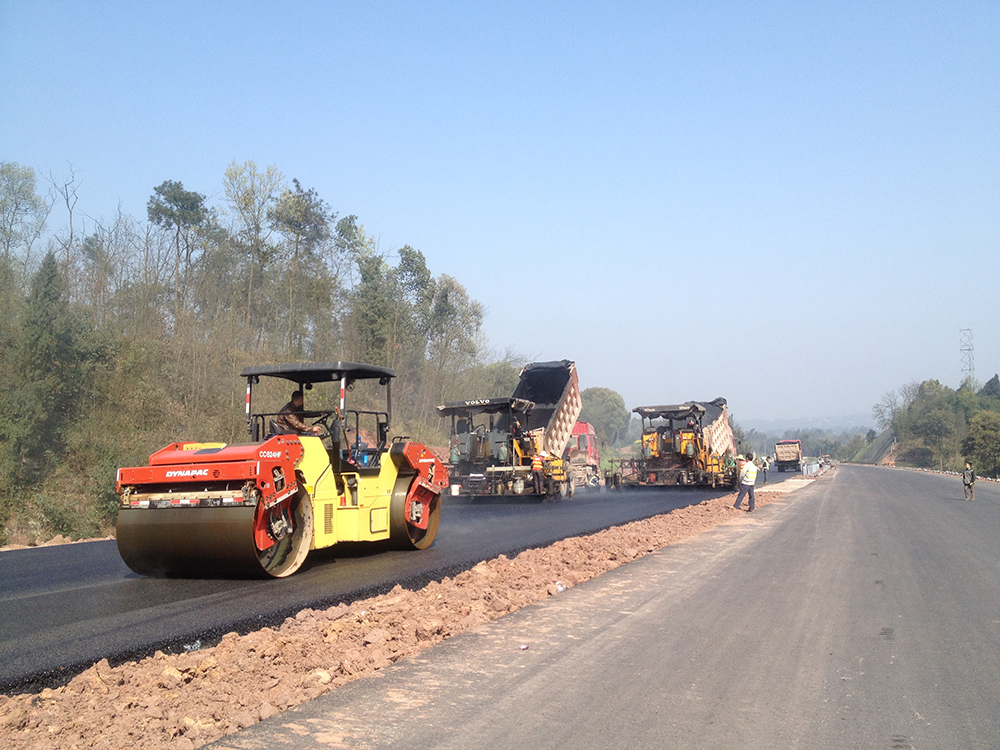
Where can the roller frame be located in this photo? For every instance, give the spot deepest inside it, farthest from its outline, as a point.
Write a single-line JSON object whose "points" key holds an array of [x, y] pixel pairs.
{"points": [[209, 510]]}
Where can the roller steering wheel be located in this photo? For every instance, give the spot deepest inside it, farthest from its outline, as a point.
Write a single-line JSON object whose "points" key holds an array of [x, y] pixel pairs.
{"points": [[321, 420]]}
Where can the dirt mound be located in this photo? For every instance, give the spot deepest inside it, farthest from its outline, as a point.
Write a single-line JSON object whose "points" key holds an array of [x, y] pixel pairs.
{"points": [[185, 701]]}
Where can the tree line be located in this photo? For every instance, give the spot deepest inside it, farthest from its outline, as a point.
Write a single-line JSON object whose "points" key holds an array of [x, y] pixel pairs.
{"points": [[840, 446], [120, 336], [940, 427]]}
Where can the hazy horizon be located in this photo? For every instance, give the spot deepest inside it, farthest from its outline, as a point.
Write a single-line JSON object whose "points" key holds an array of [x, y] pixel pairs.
{"points": [[791, 206]]}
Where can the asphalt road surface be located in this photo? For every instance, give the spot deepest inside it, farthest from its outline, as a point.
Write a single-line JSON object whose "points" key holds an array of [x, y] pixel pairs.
{"points": [[862, 612], [63, 608]]}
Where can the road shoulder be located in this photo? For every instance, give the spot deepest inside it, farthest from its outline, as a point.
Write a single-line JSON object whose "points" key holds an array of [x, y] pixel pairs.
{"points": [[470, 689]]}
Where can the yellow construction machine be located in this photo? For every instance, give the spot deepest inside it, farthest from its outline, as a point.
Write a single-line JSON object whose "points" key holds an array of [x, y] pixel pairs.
{"points": [[207, 510], [682, 444], [491, 452], [494, 441]]}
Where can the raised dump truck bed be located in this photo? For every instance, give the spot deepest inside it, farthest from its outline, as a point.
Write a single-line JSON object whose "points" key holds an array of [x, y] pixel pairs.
{"points": [[682, 444], [554, 388], [495, 441]]}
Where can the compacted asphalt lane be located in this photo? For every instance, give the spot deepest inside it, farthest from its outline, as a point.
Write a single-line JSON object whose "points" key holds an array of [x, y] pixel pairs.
{"points": [[861, 612], [63, 608]]}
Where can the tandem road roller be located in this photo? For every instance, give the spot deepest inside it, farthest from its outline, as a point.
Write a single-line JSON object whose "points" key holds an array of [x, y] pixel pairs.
{"points": [[208, 510]]}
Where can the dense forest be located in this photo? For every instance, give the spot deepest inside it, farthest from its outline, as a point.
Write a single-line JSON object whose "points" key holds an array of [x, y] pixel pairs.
{"points": [[940, 427], [127, 334]]}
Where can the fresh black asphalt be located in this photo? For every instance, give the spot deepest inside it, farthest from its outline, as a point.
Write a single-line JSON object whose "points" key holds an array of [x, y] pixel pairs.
{"points": [[63, 608]]}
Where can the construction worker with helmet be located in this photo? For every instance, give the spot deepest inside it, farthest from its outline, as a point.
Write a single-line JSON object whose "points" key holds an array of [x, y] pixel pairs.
{"points": [[538, 471]]}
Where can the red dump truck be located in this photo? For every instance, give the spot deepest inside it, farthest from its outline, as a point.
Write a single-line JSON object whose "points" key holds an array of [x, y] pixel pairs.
{"points": [[583, 456]]}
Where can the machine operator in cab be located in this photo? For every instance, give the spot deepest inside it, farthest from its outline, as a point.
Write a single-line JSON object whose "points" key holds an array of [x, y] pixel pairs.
{"points": [[290, 418]]}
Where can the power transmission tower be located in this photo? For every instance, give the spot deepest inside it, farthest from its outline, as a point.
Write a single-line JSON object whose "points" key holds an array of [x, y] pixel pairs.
{"points": [[968, 356]]}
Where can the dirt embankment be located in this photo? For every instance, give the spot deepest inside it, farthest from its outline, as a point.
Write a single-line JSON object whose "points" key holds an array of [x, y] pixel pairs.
{"points": [[184, 701], [57, 539]]}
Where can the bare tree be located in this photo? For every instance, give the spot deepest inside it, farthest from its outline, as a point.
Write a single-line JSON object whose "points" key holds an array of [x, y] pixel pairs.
{"points": [[908, 393], [251, 194], [884, 412], [66, 190]]}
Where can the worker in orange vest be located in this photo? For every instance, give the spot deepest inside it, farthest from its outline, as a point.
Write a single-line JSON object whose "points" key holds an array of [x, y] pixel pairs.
{"points": [[538, 471]]}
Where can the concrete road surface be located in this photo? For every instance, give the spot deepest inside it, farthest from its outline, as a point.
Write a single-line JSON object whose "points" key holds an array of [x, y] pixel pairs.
{"points": [[860, 612]]}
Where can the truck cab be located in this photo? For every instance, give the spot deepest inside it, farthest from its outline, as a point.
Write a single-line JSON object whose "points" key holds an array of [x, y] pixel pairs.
{"points": [[583, 455]]}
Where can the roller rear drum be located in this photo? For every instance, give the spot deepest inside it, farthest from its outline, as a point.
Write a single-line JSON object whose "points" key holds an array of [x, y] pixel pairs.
{"points": [[211, 542]]}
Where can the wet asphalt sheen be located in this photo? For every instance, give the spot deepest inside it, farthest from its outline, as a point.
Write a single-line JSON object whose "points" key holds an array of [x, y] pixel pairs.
{"points": [[863, 611], [63, 608]]}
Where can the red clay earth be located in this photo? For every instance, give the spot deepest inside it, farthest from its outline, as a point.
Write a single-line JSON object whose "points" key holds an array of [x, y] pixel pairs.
{"points": [[184, 701]]}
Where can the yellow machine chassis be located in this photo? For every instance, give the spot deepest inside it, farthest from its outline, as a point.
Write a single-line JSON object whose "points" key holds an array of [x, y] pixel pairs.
{"points": [[346, 508]]}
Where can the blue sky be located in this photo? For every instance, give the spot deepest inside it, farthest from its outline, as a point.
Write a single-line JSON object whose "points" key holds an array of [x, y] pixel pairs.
{"points": [[792, 205]]}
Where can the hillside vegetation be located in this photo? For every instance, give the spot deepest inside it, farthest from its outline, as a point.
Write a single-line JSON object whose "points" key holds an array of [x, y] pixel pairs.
{"points": [[939, 427], [122, 337]]}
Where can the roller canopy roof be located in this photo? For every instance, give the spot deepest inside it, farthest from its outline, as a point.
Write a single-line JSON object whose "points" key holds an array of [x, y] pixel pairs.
{"points": [[320, 372], [486, 406], [681, 412]]}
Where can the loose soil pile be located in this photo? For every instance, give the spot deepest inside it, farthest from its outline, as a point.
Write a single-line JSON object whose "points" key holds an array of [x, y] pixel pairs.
{"points": [[183, 701]]}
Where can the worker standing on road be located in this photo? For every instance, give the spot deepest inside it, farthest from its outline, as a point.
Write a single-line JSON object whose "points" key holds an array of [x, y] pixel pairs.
{"points": [[538, 471], [748, 478], [969, 481], [763, 468]]}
